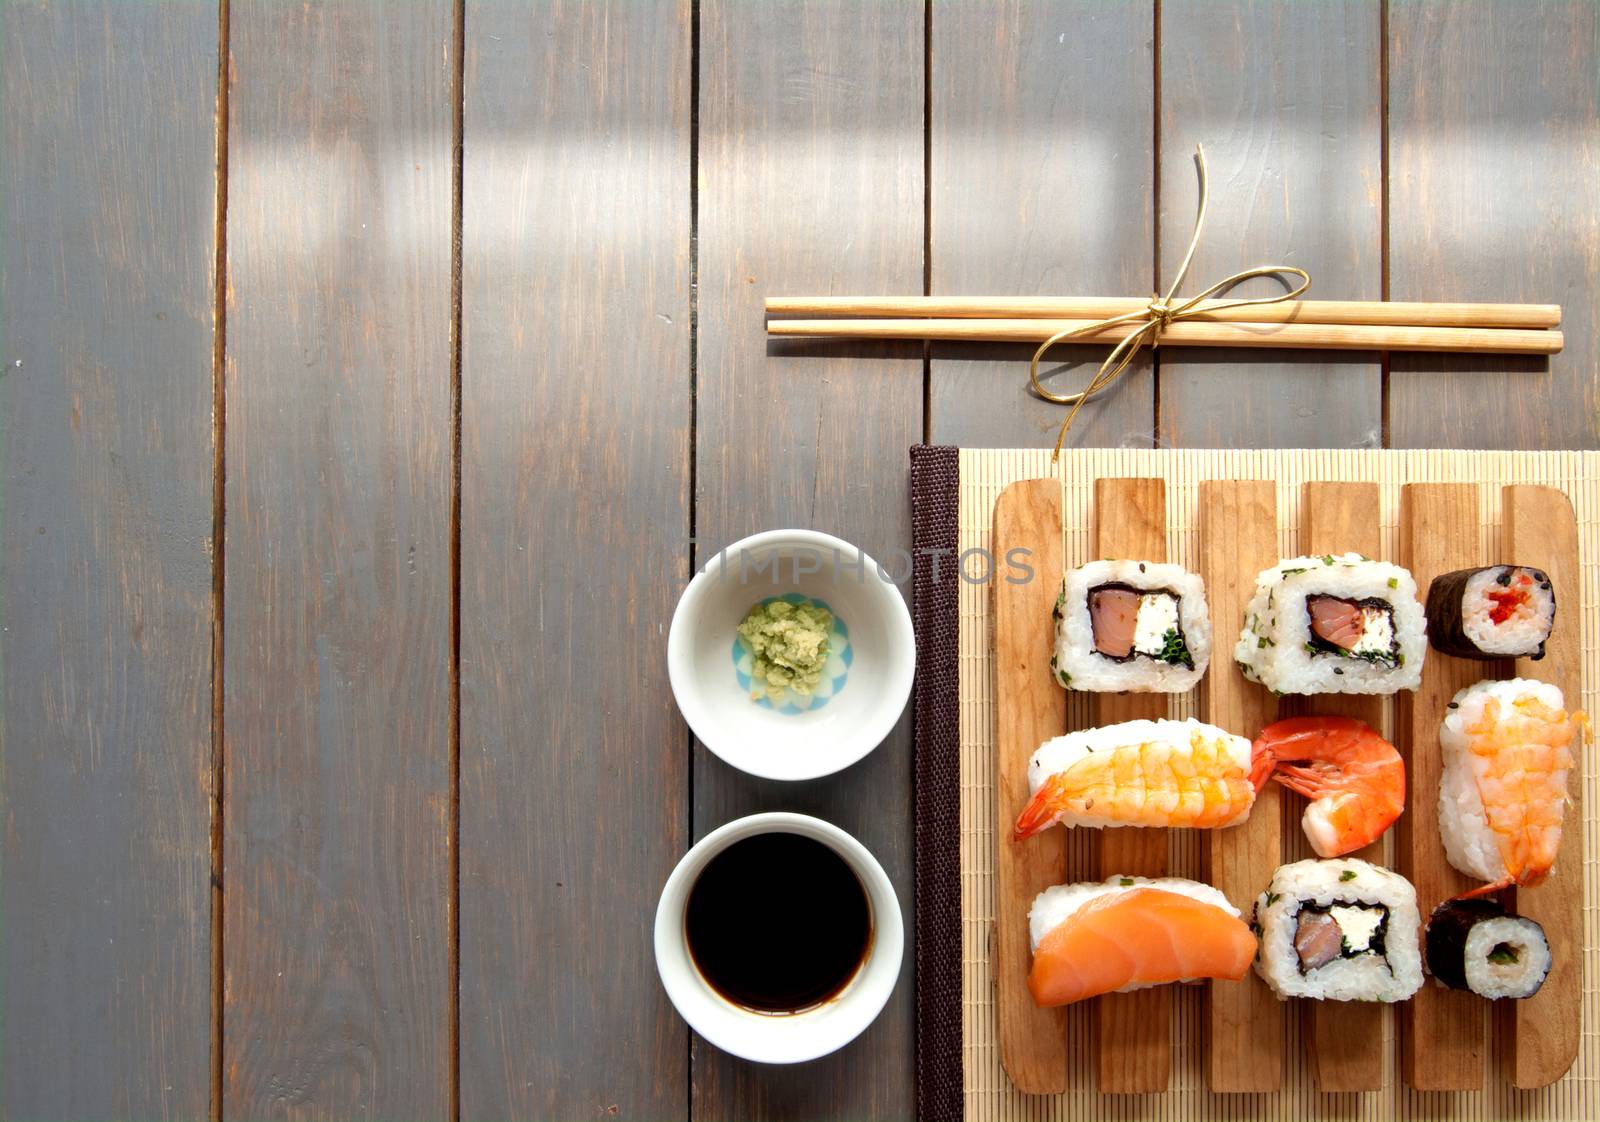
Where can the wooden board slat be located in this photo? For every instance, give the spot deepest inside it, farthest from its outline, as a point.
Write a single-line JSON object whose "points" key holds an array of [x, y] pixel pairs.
{"points": [[810, 177], [574, 527], [1286, 100], [1135, 1029], [1030, 708], [337, 689], [1239, 538], [1538, 528], [1345, 1042], [108, 190], [1493, 174], [1035, 189], [1443, 1030]]}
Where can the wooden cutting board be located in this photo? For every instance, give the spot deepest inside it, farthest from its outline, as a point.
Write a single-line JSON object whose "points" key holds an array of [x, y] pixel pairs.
{"points": [[1445, 1037]]}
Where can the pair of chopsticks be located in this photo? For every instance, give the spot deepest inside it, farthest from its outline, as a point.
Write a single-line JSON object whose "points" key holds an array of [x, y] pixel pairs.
{"points": [[1313, 324]]}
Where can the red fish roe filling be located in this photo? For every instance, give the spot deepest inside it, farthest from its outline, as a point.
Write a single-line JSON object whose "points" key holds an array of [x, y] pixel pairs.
{"points": [[1507, 601]]}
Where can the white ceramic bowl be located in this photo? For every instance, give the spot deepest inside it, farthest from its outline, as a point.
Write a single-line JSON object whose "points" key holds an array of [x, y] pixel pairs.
{"points": [[785, 1038], [871, 669]]}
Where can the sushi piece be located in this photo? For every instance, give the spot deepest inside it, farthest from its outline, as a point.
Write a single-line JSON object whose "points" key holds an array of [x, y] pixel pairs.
{"points": [[1501, 611], [1507, 751], [1341, 930], [1129, 933], [1474, 945], [1140, 773], [1339, 623], [1138, 626], [1355, 779]]}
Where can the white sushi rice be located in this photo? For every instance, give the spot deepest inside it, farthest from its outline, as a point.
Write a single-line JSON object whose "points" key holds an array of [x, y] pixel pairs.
{"points": [[1523, 632], [1469, 844], [1060, 753], [1392, 976], [1055, 905], [1273, 647], [1077, 665], [1521, 977]]}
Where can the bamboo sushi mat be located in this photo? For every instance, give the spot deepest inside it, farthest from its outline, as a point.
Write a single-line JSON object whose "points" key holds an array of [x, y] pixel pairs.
{"points": [[989, 1095]]}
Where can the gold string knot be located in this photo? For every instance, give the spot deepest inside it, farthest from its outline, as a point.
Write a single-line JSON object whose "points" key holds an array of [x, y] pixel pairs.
{"points": [[1160, 314]]}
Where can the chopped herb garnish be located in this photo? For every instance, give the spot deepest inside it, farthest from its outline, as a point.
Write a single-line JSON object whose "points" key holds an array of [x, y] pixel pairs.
{"points": [[1394, 582], [1125, 882], [1174, 650], [1327, 558], [1273, 898], [1066, 679], [1348, 874], [1292, 572], [1263, 641], [1376, 658]]}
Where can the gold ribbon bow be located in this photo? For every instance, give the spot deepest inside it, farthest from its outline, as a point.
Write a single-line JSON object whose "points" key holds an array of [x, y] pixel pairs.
{"points": [[1156, 317]]}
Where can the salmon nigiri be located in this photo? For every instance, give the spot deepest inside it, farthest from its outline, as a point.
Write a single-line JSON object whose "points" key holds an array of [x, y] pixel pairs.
{"points": [[1128, 933]]}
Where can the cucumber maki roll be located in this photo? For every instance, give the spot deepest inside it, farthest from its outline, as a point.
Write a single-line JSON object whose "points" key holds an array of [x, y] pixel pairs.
{"points": [[1474, 945]]}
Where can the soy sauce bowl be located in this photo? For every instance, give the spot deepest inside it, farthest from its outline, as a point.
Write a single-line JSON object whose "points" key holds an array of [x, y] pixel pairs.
{"points": [[865, 684], [779, 1038]]}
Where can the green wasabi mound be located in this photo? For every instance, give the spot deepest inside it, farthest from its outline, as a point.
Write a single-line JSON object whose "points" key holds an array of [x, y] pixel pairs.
{"points": [[790, 645]]}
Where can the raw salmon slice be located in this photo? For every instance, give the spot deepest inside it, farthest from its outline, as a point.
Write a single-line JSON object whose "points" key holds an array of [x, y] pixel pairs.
{"points": [[1114, 615], [1336, 621], [1145, 936]]}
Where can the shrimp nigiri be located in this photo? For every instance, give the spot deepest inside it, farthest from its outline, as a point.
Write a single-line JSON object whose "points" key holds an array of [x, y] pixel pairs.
{"points": [[1355, 779], [1507, 752], [1140, 773]]}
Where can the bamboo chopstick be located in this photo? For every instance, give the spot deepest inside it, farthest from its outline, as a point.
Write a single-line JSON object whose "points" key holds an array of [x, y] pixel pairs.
{"points": [[1193, 333], [1384, 312]]}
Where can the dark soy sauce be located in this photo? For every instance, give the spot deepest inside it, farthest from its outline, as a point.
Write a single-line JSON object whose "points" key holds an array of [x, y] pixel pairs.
{"points": [[778, 923]]}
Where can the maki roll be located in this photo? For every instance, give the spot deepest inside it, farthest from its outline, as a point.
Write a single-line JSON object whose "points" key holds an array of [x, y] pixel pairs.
{"points": [[1136, 626], [1501, 611], [1474, 945], [1157, 931], [1503, 791], [1339, 623], [1340, 930]]}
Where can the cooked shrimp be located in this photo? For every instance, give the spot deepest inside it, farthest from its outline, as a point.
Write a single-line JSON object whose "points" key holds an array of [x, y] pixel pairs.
{"points": [[1354, 778], [1167, 773]]}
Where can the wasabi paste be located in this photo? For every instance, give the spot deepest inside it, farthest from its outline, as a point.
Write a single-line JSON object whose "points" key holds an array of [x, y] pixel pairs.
{"points": [[789, 643]]}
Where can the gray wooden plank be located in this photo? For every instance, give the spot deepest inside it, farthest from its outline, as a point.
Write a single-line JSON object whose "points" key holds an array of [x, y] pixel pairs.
{"points": [[107, 290], [811, 117], [1041, 183], [1286, 99], [338, 987], [1494, 169], [574, 546]]}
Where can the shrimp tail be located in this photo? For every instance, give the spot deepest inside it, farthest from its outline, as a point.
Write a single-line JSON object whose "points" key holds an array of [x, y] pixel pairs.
{"points": [[1262, 761], [1308, 781], [1487, 889], [1043, 810]]}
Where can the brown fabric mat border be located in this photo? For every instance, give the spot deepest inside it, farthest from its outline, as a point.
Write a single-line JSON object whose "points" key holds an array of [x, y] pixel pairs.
{"points": [[935, 485]]}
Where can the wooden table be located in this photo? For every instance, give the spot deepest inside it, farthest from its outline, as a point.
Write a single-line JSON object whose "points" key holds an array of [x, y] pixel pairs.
{"points": [[352, 468]]}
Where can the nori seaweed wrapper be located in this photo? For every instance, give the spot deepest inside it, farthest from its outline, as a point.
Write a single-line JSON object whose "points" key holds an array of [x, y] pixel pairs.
{"points": [[1446, 937]]}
